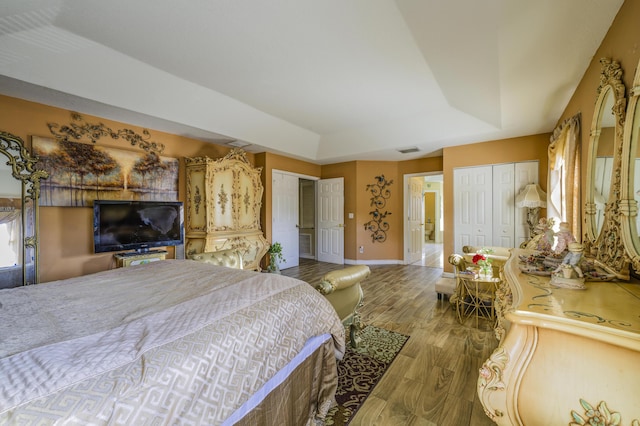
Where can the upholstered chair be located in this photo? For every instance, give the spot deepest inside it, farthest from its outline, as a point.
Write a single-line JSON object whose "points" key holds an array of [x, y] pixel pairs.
{"points": [[342, 288], [230, 258]]}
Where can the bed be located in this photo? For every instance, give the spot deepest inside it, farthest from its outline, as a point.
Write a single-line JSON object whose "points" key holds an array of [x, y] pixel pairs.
{"points": [[170, 342]]}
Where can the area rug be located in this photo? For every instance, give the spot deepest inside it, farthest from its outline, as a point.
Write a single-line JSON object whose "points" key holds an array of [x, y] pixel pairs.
{"points": [[361, 369]]}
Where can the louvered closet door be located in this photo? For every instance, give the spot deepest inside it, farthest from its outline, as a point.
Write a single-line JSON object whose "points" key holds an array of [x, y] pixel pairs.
{"points": [[473, 224]]}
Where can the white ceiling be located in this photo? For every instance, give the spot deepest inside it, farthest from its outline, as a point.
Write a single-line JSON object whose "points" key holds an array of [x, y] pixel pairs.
{"points": [[321, 80]]}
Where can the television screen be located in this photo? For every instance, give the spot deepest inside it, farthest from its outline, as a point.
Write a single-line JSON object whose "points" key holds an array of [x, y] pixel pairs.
{"points": [[137, 225]]}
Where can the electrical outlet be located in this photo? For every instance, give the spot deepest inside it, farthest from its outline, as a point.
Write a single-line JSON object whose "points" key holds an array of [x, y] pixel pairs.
{"points": [[361, 249]]}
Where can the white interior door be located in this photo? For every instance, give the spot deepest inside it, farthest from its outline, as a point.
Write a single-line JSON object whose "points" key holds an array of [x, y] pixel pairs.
{"points": [[415, 219], [284, 217], [330, 215], [503, 205], [472, 192]]}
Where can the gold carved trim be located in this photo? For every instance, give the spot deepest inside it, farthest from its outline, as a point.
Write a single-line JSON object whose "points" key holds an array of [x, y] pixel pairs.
{"points": [[23, 168], [607, 249], [231, 203], [223, 197], [80, 129], [197, 199], [490, 380]]}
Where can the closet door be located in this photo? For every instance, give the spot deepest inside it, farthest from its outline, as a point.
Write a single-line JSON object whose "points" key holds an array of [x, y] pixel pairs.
{"points": [[473, 224], [503, 212]]}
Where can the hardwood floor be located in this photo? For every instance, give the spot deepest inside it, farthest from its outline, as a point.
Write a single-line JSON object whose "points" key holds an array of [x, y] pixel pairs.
{"points": [[433, 379]]}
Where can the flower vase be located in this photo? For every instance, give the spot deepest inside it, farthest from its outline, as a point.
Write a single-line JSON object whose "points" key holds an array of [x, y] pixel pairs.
{"points": [[486, 271]]}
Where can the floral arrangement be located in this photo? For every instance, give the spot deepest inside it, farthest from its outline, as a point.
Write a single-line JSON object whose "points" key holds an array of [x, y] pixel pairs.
{"points": [[483, 261]]}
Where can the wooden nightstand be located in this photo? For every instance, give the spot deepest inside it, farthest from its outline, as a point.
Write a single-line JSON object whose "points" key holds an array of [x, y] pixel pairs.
{"points": [[132, 259]]}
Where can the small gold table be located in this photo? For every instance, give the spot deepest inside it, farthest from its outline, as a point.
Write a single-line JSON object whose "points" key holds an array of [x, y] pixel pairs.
{"points": [[476, 297]]}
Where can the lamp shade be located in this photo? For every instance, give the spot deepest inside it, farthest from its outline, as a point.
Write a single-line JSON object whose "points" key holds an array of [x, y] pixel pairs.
{"points": [[531, 196]]}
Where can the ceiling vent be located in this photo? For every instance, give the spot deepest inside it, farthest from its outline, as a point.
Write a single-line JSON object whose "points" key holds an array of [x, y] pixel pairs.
{"points": [[238, 144], [408, 150]]}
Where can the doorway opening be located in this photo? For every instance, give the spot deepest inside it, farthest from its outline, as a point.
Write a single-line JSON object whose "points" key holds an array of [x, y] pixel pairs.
{"points": [[424, 231], [307, 218]]}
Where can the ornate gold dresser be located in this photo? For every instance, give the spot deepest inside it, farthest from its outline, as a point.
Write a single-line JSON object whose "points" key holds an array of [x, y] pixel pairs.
{"points": [[224, 197], [568, 356]]}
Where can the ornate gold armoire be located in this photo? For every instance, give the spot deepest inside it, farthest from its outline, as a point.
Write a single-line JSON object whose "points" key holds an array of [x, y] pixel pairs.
{"points": [[224, 197]]}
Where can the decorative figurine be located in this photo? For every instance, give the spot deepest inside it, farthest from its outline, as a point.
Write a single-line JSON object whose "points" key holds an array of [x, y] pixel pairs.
{"points": [[564, 238], [563, 276], [542, 240]]}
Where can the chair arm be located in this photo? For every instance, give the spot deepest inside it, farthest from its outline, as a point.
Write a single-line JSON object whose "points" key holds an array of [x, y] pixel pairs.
{"points": [[497, 253], [342, 278], [230, 258], [458, 261]]}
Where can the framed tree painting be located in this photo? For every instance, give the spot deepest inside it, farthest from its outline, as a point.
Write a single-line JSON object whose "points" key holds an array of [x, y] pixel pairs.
{"points": [[80, 173]]}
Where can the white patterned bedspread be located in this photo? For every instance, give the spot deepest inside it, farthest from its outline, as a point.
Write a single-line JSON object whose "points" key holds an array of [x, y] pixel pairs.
{"points": [[176, 339]]}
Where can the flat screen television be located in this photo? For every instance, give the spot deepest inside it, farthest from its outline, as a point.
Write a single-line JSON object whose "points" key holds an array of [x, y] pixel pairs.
{"points": [[137, 225]]}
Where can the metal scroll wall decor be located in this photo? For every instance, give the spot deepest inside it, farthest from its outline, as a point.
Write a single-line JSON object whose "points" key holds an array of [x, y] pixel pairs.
{"points": [[380, 193]]}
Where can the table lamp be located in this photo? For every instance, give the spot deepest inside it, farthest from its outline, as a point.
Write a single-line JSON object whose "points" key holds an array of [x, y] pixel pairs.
{"points": [[532, 197]]}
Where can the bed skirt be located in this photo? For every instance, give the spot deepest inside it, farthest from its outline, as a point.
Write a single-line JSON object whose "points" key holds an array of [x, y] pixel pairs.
{"points": [[304, 397]]}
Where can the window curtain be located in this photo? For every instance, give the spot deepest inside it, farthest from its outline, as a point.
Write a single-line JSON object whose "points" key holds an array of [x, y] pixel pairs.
{"points": [[563, 181], [10, 236]]}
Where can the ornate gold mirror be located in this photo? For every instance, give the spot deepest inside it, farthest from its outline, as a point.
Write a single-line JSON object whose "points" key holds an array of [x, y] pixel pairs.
{"points": [[604, 234], [605, 138], [19, 193], [631, 175]]}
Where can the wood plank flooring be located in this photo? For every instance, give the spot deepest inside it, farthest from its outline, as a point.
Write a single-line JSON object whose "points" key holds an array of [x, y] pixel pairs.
{"points": [[433, 379]]}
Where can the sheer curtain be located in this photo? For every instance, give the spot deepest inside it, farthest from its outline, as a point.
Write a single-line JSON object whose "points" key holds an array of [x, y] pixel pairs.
{"points": [[563, 183], [10, 236]]}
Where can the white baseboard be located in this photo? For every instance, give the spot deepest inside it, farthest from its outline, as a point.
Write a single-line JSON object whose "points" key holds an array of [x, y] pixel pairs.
{"points": [[372, 262]]}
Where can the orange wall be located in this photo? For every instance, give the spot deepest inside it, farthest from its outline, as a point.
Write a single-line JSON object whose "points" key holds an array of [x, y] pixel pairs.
{"points": [[391, 248], [620, 44], [357, 200], [512, 150], [66, 233]]}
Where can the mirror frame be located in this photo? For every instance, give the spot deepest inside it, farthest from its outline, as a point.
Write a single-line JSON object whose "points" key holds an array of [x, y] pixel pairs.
{"points": [[606, 247], [628, 203], [23, 168], [610, 84]]}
